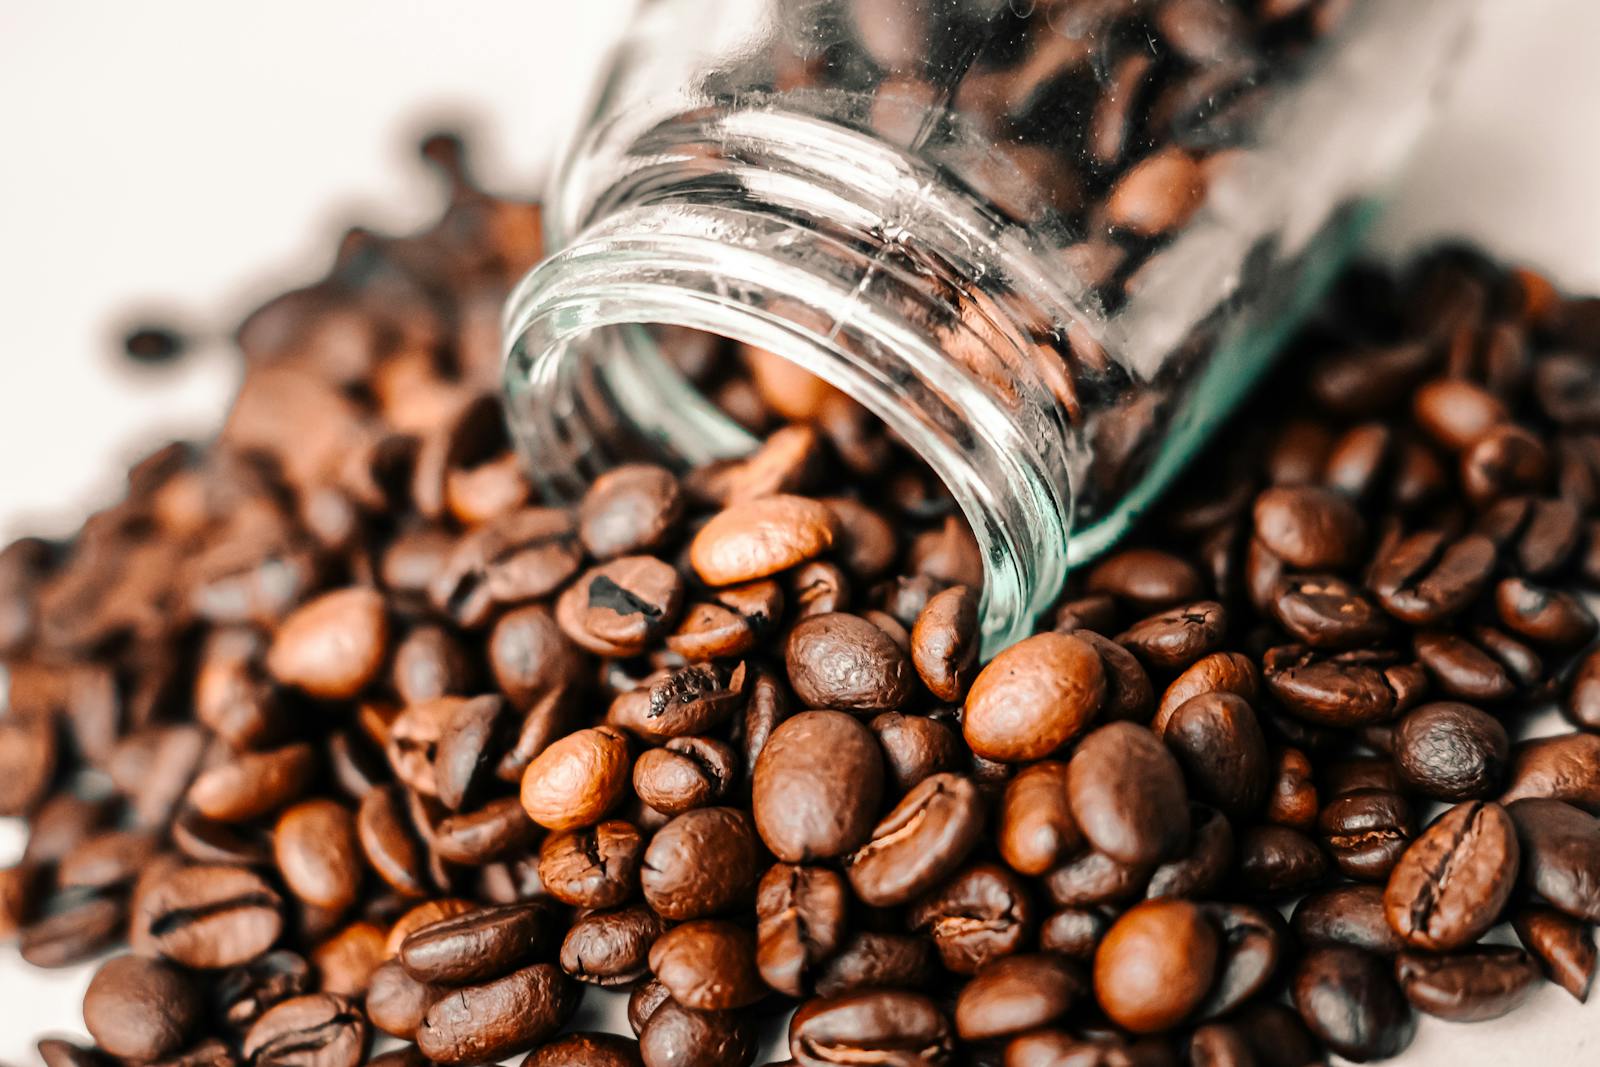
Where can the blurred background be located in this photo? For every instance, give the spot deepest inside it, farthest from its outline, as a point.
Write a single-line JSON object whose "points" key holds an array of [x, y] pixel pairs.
{"points": [[182, 159]]}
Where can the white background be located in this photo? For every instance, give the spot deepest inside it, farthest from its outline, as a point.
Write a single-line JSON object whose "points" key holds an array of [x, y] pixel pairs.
{"points": [[196, 155]]}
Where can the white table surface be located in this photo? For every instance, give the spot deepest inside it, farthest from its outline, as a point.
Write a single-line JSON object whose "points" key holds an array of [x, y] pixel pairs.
{"points": [[195, 156]]}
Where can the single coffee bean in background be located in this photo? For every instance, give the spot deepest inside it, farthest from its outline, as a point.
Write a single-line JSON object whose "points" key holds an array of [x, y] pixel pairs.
{"points": [[1426, 578], [1565, 767], [396, 1002], [529, 655], [1544, 616], [1582, 703], [1205, 863], [1560, 847], [801, 916], [333, 646], [1095, 878], [1033, 698], [480, 1023], [1279, 859], [1129, 693], [708, 965], [609, 948], [316, 1030], [1464, 669], [1146, 579], [1365, 831], [1453, 881], [1326, 612], [816, 788], [498, 829], [983, 913], [1127, 794], [347, 959], [944, 643], [1308, 527], [630, 509], [869, 960], [1346, 915], [318, 853], [1156, 964], [1219, 1045], [106, 860], [1350, 1000], [1074, 932], [701, 863], [919, 843], [254, 784], [140, 1009], [1017, 993], [474, 737], [1253, 943], [896, 1028], [1563, 946], [1467, 986], [1174, 639], [207, 917], [586, 1050]]}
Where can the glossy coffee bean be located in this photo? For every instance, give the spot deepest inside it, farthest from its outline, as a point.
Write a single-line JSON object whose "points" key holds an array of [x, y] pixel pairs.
{"points": [[981, 914], [578, 779], [869, 960], [1015, 994], [944, 643], [817, 786], [1428, 578], [1036, 829], [801, 914], [1127, 795], [1365, 831], [922, 841], [708, 965], [1176, 638], [479, 1023], [254, 784], [620, 607], [892, 1027], [1565, 767], [701, 863], [1560, 847], [1219, 743], [396, 1002], [687, 772], [1544, 616], [1074, 932], [760, 537], [1451, 751], [318, 1030], [318, 853], [140, 1009], [1308, 527], [1155, 965], [207, 917], [629, 509], [1033, 698], [498, 829], [1350, 1000], [1563, 946], [1278, 859], [476, 945], [1346, 915], [242, 993], [1453, 881], [844, 662], [586, 1050], [1344, 689], [609, 948], [597, 867], [1146, 579], [675, 1036], [1220, 672], [1254, 942], [914, 747], [1467, 986], [333, 646]]}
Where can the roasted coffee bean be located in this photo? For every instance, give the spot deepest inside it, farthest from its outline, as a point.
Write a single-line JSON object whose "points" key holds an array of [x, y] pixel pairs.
{"points": [[867, 542], [1456, 412], [1127, 795], [1560, 847], [1292, 794], [817, 786], [1146, 579], [28, 755], [760, 537], [1037, 830], [701, 863], [1095, 878], [474, 736], [1471, 671], [429, 664], [620, 607], [981, 914], [922, 840], [1074, 932], [1205, 864], [1097, 613], [476, 945], [1345, 689], [577, 779], [317, 1030], [801, 917], [1346, 915], [1566, 767], [396, 1002], [1544, 616], [629, 509], [498, 829], [688, 772], [82, 930], [243, 993], [609, 948], [1453, 881], [1158, 194], [892, 1027], [424, 914], [333, 646], [529, 654], [207, 917], [687, 701], [1350, 1000], [347, 959], [1015, 994], [1505, 461], [1155, 965], [1033, 698], [708, 965], [1451, 751], [1467, 986], [676, 1036], [1176, 638], [1219, 1045], [1563, 946], [915, 747], [1365, 831], [870, 960], [1254, 941], [1427, 578], [944, 643], [1220, 672], [1277, 859], [254, 784], [522, 556], [140, 1009], [596, 867], [586, 1050], [1308, 527], [318, 854], [818, 587], [1582, 703], [389, 842], [106, 860], [1219, 743], [481, 1023], [1129, 694], [1326, 612]]}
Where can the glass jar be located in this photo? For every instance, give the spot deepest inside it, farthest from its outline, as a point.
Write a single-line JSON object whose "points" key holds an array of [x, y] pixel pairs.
{"points": [[1048, 242]]}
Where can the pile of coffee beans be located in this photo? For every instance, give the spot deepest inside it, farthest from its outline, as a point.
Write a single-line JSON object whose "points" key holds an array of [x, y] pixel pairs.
{"points": [[345, 734]]}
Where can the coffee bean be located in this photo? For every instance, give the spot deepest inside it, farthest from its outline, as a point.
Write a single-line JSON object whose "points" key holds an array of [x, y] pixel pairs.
{"points": [[701, 863], [1325, 611], [801, 918], [609, 948], [1582, 703], [843, 661], [1219, 743], [1146, 579], [980, 915], [1560, 847], [586, 1050], [597, 867], [1366, 831], [243, 993], [1219, 1045], [317, 1030], [689, 772], [684, 702], [140, 1009], [1253, 943], [1453, 881], [871, 960], [476, 945], [1566, 767], [1563, 946], [529, 654], [675, 1036], [629, 509], [1345, 689], [480, 1023], [1129, 694], [1074, 932], [1349, 1000], [1126, 793], [915, 747], [333, 646], [1427, 578], [1155, 965], [1033, 698], [1470, 671], [1158, 194], [1277, 859], [1095, 878], [498, 829], [347, 959], [519, 557], [944, 643], [1507, 460], [475, 735], [577, 779], [817, 786], [207, 917], [317, 852], [396, 1002], [1037, 830], [1220, 672], [254, 784], [760, 537], [429, 664], [922, 840], [1017, 993], [1206, 863], [892, 1027], [107, 860], [1346, 915], [620, 607], [1544, 616], [28, 755], [1176, 638], [708, 965], [1451, 751], [1468, 986], [1308, 527]]}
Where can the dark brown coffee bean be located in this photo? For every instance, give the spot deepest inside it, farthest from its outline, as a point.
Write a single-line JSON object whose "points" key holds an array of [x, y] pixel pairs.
{"points": [[476, 945], [1074, 932], [1308, 527], [140, 1009], [817, 786], [610, 948], [760, 537], [1037, 830], [1326, 612], [1277, 859], [915, 747], [818, 587], [866, 543], [529, 654], [317, 852], [83, 929], [1127, 794], [1095, 878], [474, 736], [1451, 751], [1346, 689], [1454, 880], [481, 1023], [1146, 579], [689, 772], [1456, 412], [877, 961], [801, 916], [1544, 616], [425, 914], [1205, 864], [676, 1036], [389, 842], [1015, 994], [1566, 768], [577, 779], [1220, 672], [241, 994], [1129, 694], [919, 843], [1254, 941], [333, 646], [1582, 703], [523, 556], [1560, 854], [1219, 1045], [1219, 743], [1428, 578], [1155, 965], [1467, 986], [586, 1050], [643, 1001], [1097, 613], [981, 914], [1350, 1000], [1178, 637], [1365, 831], [688, 701], [892, 1027], [496, 830], [1464, 669], [207, 917], [701, 863], [596, 867], [1505, 461], [630, 509], [944, 643], [708, 965], [254, 784], [843, 661], [1346, 915], [1033, 698], [429, 664], [620, 607], [107, 860], [317, 1030], [396, 1002], [1564, 947]]}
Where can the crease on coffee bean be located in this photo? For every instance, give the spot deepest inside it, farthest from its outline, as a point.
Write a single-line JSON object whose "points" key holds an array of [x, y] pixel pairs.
{"points": [[1440, 871], [179, 918], [606, 594], [313, 1040]]}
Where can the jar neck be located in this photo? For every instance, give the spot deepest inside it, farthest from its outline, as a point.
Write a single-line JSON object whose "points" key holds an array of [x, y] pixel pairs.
{"points": [[839, 254]]}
